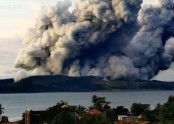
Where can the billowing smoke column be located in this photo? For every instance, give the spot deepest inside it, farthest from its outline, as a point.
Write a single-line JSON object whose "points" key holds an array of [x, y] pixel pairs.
{"points": [[108, 38]]}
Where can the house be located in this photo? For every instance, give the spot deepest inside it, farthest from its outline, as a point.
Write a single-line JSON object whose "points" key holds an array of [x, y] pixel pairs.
{"points": [[123, 117], [145, 122], [128, 121], [38, 117], [95, 112], [16, 122], [41, 117], [4, 119]]}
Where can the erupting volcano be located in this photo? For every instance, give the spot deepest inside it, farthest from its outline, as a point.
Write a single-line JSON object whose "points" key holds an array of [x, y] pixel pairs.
{"points": [[107, 38]]}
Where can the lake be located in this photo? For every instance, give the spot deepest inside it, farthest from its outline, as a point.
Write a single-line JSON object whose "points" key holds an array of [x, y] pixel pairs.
{"points": [[16, 104]]}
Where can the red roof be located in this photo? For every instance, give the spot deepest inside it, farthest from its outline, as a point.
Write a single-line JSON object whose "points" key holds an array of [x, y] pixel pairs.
{"points": [[145, 122], [95, 112], [17, 122]]}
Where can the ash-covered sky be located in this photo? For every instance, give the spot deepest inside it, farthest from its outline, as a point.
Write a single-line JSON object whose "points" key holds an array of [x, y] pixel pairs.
{"points": [[16, 17]]}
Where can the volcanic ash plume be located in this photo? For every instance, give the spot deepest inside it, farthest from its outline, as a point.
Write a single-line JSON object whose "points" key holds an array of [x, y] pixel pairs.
{"points": [[108, 38]]}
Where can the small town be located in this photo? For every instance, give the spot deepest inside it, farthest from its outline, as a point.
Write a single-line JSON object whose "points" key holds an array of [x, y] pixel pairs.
{"points": [[99, 113]]}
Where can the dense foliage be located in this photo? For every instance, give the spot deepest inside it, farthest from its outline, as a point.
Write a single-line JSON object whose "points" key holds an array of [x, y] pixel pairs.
{"points": [[138, 108], [65, 118], [161, 114], [167, 111]]}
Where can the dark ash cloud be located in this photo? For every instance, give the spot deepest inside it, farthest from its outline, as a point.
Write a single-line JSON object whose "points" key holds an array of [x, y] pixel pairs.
{"points": [[109, 38]]}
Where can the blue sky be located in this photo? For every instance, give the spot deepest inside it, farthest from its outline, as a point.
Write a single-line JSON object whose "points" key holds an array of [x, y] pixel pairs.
{"points": [[16, 17]]}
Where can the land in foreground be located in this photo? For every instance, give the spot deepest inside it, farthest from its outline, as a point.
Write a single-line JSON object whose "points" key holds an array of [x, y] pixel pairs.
{"points": [[100, 113]]}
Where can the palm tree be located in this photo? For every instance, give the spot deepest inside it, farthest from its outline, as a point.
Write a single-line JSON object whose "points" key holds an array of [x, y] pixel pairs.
{"points": [[1, 109]]}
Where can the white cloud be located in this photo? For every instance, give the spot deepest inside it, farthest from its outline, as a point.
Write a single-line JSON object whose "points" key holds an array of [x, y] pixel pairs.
{"points": [[16, 17], [154, 2], [166, 75]]}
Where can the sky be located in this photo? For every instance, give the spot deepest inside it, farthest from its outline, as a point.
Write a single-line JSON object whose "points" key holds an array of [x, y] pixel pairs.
{"points": [[17, 16]]}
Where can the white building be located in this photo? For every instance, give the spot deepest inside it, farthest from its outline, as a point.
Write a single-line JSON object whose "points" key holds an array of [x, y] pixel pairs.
{"points": [[123, 117]]}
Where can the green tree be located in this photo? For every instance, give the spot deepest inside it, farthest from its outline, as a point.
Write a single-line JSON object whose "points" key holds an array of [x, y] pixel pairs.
{"points": [[56, 109], [1, 109], [109, 115], [156, 113], [138, 108], [148, 116], [100, 103], [80, 110], [89, 119], [152, 115], [120, 110], [104, 121], [65, 118], [167, 111]]}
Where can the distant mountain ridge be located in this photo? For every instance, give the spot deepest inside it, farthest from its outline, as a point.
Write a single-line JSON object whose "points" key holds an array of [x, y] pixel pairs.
{"points": [[60, 83], [6, 82]]}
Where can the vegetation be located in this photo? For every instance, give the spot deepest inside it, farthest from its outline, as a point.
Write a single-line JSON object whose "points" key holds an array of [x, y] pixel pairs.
{"points": [[100, 103], [63, 113], [80, 115], [167, 112], [161, 114], [138, 108], [1, 109], [65, 118], [120, 110], [60, 83], [1, 112]]}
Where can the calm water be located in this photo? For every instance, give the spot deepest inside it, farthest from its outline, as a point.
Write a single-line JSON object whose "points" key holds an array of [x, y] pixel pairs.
{"points": [[16, 104]]}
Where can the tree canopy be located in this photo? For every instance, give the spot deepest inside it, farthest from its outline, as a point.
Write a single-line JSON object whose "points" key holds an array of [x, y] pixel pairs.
{"points": [[138, 108], [167, 111]]}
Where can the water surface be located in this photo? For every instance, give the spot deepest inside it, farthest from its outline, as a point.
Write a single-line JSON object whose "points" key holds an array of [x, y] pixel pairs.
{"points": [[16, 104]]}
